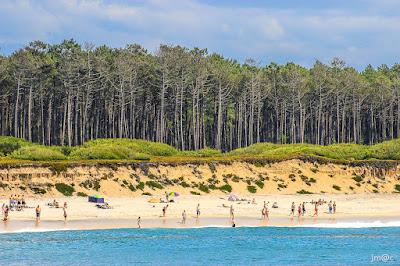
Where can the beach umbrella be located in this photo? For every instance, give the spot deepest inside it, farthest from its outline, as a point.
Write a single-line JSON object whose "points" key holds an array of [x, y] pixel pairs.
{"points": [[173, 194]]}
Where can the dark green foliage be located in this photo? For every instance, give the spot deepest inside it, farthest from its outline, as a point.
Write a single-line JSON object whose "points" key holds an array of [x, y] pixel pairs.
{"points": [[226, 188], [203, 188], [252, 189], [358, 178], [259, 183], [65, 189], [38, 190], [397, 187], [153, 184], [91, 184], [336, 187], [194, 193], [132, 187], [303, 192], [81, 194], [146, 194], [140, 186]]}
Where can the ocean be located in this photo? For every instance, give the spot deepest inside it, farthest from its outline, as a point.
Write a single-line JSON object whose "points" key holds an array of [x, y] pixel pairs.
{"points": [[205, 246]]}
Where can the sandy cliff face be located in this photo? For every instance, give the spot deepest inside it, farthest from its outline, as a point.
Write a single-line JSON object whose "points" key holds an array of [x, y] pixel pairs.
{"points": [[286, 177]]}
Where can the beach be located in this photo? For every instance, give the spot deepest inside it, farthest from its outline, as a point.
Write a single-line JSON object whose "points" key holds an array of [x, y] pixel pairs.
{"points": [[352, 210]]}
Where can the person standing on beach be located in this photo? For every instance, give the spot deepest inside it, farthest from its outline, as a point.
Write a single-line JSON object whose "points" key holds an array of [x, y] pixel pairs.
{"points": [[5, 213], [38, 211], [292, 209], [65, 213], [138, 222], [334, 207], [316, 209], [232, 214], [184, 217], [198, 210], [299, 210], [304, 208]]}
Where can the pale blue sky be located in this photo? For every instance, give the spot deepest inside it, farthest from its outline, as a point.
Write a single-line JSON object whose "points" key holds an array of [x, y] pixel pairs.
{"points": [[358, 31]]}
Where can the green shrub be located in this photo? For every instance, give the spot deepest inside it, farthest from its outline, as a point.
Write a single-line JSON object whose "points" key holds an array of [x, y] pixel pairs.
{"points": [[147, 194], [81, 194], [303, 192], [312, 180], [358, 178], [91, 184], [397, 188], [226, 188], [38, 153], [153, 184], [252, 189], [314, 170], [184, 184], [131, 187], [38, 190], [259, 183], [204, 188], [336, 187], [194, 193], [65, 189], [140, 186]]}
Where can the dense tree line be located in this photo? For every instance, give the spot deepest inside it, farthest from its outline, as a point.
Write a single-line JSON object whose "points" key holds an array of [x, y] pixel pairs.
{"points": [[65, 94]]}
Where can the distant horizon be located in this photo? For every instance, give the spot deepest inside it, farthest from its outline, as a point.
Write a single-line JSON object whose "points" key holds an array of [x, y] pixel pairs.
{"points": [[360, 32]]}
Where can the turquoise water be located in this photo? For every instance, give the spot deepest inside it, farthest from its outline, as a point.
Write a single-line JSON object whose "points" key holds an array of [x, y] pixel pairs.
{"points": [[206, 246]]}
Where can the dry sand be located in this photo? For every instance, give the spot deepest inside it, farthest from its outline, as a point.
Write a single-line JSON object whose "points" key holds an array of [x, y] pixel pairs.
{"points": [[84, 215]]}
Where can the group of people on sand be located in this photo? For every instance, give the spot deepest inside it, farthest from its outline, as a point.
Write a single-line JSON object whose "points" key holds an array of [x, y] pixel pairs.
{"points": [[17, 202], [301, 209], [38, 210], [265, 211]]}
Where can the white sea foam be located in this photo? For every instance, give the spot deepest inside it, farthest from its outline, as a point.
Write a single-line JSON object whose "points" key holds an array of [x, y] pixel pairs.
{"points": [[355, 224]]}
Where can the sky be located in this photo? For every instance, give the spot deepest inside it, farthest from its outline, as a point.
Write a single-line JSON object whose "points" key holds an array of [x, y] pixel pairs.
{"points": [[361, 32]]}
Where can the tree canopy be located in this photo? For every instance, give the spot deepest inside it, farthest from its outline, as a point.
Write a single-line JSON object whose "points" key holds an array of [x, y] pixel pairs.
{"points": [[67, 94]]}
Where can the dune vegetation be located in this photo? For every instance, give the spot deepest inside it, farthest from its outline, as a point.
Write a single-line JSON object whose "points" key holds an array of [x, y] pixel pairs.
{"points": [[14, 149]]}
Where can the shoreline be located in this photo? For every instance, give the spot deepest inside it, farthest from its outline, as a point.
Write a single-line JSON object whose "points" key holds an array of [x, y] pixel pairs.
{"points": [[31, 226]]}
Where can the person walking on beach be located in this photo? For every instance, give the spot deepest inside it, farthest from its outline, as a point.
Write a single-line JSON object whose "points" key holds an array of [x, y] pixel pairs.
{"points": [[164, 210], [198, 211], [304, 208], [184, 217], [38, 211], [330, 207], [138, 222], [334, 207], [316, 209], [5, 213], [299, 210], [232, 213]]}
